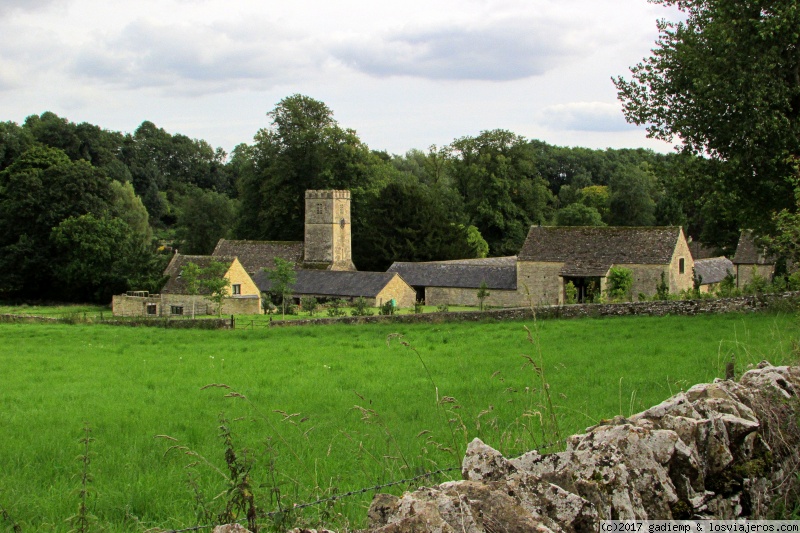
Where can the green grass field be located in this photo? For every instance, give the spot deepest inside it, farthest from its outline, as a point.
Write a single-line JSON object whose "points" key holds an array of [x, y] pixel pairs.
{"points": [[326, 409]]}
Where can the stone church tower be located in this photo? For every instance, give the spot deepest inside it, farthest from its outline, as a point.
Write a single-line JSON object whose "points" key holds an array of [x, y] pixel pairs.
{"points": [[327, 231]]}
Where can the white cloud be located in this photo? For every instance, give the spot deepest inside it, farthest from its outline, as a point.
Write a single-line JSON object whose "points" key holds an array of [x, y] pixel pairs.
{"points": [[196, 59], [499, 50], [585, 116]]}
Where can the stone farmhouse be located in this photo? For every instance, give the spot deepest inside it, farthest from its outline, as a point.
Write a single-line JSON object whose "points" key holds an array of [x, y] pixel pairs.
{"points": [[751, 259], [174, 299]]}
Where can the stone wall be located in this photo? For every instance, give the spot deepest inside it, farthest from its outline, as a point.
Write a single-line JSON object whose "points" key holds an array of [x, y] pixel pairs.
{"points": [[723, 450], [539, 283], [659, 308]]}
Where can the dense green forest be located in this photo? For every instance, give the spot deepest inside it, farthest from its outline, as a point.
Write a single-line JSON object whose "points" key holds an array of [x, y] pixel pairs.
{"points": [[87, 212]]}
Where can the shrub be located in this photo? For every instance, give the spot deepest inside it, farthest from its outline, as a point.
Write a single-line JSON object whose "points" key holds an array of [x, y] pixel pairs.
{"points": [[727, 287], [418, 307], [570, 293], [387, 308], [620, 281], [662, 289], [309, 305], [483, 293], [335, 307], [360, 307], [442, 308], [757, 285]]}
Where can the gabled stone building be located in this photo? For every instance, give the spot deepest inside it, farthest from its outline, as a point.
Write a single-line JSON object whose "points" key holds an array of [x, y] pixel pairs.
{"points": [[174, 300], [553, 256], [457, 282]]}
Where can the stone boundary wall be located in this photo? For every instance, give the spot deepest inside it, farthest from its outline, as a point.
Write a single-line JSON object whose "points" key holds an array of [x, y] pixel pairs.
{"points": [[165, 322], [656, 308]]}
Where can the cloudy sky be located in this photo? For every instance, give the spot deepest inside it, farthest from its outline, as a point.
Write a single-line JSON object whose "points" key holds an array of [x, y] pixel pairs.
{"points": [[402, 74]]}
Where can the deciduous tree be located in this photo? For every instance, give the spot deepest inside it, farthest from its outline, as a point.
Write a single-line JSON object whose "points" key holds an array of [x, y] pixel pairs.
{"points": [[726, 82]]}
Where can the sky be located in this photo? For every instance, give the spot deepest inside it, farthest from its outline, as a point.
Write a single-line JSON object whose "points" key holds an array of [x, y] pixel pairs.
{"points": [[404, 75]]}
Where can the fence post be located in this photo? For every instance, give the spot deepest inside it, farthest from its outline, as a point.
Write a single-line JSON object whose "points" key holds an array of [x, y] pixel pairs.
{"points": [[233, 322]]}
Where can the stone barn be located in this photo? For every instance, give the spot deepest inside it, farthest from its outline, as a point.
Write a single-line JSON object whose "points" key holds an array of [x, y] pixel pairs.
{"points": [[710, 272], [457, 282], [376, 287], [553, 256]]}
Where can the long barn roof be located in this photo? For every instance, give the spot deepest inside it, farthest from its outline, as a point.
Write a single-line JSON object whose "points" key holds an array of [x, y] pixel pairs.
{"points": [[332, 283], [591, 251], [498, 273]]}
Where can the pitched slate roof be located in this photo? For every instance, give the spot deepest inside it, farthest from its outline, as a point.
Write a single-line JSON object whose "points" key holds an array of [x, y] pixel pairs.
{"points": [[748, 253], [497, 272], [591, 251], [713, 269], [175, 284], [256, 255], [332, 283]]}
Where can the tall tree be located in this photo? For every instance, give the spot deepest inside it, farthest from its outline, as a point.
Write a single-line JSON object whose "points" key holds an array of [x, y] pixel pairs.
{"points": [[204, 217], [726, 82], [38, 191], [503, 194], [304, 148], [406, 222], [631, 197]]}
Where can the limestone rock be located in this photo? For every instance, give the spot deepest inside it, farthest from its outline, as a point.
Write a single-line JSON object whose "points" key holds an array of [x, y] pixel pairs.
{"points": [[717, 451]]}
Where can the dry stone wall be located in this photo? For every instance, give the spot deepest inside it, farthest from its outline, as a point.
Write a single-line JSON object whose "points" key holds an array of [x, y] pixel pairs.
{"points": [[658, 308]]}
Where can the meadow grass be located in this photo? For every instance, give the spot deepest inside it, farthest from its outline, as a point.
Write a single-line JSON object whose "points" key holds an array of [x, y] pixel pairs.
{"points": [[322, 410]]}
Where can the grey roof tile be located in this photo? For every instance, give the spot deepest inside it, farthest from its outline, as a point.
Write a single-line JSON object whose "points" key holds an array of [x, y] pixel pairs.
{"points": [[590, 251]]}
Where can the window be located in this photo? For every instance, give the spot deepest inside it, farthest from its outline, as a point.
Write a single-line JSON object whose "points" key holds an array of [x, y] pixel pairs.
{"points": [[681, 265], [236, 288], [176, 309], [152, 309]]}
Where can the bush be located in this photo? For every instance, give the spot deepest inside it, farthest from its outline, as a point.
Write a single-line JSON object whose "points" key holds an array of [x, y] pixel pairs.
{"points": [[570, 293], [335, 307], [360, 307], [309, 305], [387, 308], [757, 285], [662, 289], [442, 308], [620, 282], [418, 307], [727, 287]]}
